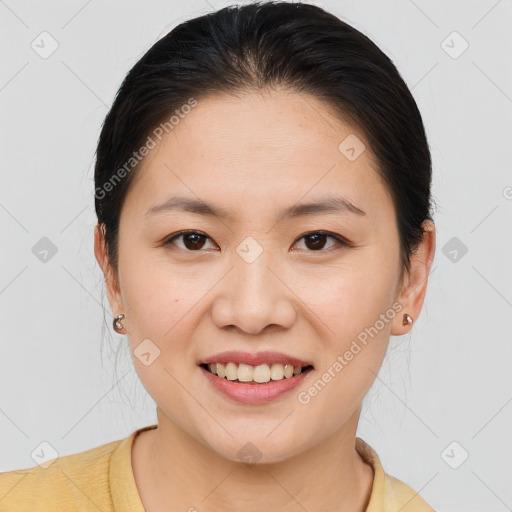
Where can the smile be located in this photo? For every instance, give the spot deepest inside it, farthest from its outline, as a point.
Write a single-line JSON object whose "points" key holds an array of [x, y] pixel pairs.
{"points": [[259, 374]]}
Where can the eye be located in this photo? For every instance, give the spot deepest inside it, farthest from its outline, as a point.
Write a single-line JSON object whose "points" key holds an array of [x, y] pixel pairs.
{"points": [[315, 240], [192, 240], [195, 240]]}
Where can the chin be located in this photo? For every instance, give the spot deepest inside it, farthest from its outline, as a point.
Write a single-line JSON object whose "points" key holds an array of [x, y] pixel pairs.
{"points": [[258, 449]]}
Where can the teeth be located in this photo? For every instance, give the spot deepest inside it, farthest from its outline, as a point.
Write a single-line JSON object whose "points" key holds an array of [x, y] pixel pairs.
{"points": [[220, 370], [261, 373], [231, 371], [277, 372], [245, 372]]}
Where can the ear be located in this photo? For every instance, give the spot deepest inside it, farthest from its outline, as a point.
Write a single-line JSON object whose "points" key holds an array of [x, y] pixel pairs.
{"points": [[111, 281], [414, 288]]}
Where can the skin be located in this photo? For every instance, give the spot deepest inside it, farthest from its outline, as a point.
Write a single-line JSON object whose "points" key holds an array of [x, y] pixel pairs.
{"points": [[255, 155]]}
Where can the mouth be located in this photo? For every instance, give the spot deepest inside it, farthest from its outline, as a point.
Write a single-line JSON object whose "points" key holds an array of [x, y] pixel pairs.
{"points": [[255, 378], [258, 374]]}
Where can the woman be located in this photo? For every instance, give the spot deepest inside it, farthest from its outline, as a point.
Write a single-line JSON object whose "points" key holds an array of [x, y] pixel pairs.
{"points": [[264, 225]]}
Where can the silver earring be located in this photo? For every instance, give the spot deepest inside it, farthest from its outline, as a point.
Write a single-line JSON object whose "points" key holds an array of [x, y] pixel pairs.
{"points": [[118, 326]]}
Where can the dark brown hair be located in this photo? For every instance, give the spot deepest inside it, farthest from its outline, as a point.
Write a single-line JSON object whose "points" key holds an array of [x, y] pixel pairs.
{"points": [[263, 45]]}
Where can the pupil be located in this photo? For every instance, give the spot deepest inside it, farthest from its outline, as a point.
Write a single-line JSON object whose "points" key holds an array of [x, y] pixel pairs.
{"points": [[317, 240], [196, 244]]}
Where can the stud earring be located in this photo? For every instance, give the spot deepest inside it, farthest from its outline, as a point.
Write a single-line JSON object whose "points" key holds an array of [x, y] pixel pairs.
{"points": [[407, 320], [118, 326]]}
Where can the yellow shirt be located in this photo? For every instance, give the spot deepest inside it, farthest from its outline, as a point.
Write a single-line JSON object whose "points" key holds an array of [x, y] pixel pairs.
{"points": [[101, 479]]}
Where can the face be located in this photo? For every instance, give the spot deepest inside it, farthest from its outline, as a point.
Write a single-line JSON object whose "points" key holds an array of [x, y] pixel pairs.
{"points": [[320, 285]]}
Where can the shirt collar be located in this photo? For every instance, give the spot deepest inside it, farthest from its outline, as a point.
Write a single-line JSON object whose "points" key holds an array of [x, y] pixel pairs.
{"points": [[377, 497], [125, 496], [123, 489]]}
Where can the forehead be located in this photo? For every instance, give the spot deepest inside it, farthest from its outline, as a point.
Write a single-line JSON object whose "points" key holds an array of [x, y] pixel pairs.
{"points": [[259, 148]]}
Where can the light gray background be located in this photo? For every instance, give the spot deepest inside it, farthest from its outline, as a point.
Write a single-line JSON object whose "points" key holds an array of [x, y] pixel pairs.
{"points": [[449, 380]]}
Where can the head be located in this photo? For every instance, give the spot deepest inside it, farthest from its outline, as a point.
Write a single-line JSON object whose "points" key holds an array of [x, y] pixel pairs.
{"points": [[256, 111]]}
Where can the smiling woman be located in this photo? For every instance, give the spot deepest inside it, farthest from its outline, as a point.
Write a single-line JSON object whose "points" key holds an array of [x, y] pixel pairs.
{"points": [[258, 257]]}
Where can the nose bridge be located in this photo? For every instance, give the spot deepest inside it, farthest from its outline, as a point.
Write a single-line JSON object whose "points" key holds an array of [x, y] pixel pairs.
{"points": [[256, 296], [254, 282]]}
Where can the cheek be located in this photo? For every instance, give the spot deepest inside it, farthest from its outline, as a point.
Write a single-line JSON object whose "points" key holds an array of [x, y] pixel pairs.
{"points": [[159, 333], [355, 309], [160, 327], [359, 316], [349, 297], [155, 296], [152, 303]]}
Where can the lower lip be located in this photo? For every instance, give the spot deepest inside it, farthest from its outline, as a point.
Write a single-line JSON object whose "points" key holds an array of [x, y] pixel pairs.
{"points": [[254, 393]]}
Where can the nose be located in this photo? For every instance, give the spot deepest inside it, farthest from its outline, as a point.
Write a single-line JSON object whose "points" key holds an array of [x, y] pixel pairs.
{"points": [[254, 296]]}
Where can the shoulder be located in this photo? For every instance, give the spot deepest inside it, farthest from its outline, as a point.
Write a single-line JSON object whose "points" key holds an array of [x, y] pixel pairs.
{"points": [[61, 483], [389, 494], [400, 496]]}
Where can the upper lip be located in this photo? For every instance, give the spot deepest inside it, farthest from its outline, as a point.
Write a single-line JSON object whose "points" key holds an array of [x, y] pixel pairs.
{"points": [[254, 359]]}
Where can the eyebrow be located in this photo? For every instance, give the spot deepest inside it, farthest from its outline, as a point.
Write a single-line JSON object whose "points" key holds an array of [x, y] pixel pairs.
{"points": [[335, 204]]}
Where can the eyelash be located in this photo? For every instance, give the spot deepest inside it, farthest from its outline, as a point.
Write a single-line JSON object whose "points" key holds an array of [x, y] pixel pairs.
{"points": [[342, 242]]}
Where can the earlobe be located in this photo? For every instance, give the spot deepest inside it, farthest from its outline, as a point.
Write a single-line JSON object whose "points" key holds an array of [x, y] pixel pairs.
{"points": [[413, 293]]}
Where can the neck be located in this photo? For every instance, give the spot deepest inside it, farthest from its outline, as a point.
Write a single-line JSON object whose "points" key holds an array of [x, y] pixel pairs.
{"points": [[173, 469]]}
